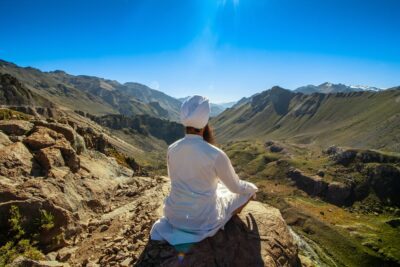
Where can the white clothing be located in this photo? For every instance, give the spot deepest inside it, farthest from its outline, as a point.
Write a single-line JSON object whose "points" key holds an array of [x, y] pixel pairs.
{"points": [[199, 204], [195, 112]]}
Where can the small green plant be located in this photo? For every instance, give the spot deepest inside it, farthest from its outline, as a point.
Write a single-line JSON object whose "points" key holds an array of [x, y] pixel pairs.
{"points": [[46, 220], [15, 222], [18, 245]]}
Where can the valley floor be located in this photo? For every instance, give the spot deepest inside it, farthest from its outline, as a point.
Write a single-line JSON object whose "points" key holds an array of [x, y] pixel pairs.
{"points": [[357, 233]]}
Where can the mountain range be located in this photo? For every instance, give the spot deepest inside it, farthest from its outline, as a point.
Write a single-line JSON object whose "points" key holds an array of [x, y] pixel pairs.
{"points": [[361, 119], [325, 114], [328, 88]]}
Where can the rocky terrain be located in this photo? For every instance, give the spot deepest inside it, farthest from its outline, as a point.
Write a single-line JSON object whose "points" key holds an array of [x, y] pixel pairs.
{"points": [[65, 200]]}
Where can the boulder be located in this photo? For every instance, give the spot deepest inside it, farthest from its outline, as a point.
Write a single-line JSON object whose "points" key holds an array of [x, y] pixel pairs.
{"points": [[338, 193], [41, 137], [76, 141], [4, 140], [257, 237], [69, 154], [275, 148], [49, 157], [15, 160], [15, 127]]}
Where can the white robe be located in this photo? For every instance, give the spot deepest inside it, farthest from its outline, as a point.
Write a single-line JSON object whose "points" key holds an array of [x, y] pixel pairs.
{"points": [[199, 204]]}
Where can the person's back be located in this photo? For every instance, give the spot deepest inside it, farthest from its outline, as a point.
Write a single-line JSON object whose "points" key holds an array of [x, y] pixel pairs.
{"points": [[198, 204], [191, 204]]}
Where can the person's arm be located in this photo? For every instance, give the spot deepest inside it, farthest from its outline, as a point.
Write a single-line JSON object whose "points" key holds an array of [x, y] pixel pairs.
{"points": [[228, 176]]}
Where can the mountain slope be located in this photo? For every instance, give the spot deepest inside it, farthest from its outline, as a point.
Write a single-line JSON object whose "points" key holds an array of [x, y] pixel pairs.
{"points": [[328, 88], [358, 119], [94, 95]]}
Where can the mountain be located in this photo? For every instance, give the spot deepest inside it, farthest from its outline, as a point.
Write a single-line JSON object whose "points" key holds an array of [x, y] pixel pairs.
{"points": [[327, 88], [94, 95], [14, 93], [216, 109], [358, 119]]}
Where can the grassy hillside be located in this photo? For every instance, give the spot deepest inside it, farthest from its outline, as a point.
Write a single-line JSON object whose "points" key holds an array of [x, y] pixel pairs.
{"points": [[359, 119]]}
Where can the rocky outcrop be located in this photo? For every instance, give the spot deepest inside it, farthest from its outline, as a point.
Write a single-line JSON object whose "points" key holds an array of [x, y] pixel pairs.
{"points": [[257, 237], [15, 160], [41, 137], [384, 179], [311, 184], [68, 132], [334, 192], [346, 156], [15, 127]]}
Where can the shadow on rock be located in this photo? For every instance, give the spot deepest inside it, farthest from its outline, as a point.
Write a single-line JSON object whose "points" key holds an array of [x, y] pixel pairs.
{"points": [[257, 237]]}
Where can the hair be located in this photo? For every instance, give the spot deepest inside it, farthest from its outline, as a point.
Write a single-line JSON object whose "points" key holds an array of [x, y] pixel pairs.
{"points": [[208, 133]]}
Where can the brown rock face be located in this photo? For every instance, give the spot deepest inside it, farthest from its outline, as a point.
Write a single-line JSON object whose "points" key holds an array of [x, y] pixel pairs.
{"points": [[49, 157], [15, 127], [76, 141], [41, 137], [257, 237], [15, 160]]}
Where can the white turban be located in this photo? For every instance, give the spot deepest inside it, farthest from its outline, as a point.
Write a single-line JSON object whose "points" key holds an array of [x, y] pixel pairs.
{"points": [[195, 112]]}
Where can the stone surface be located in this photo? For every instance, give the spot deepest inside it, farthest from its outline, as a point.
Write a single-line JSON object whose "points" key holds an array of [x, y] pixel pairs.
{"points": [[15, 160], [15, 127], [4, 140], [49, 157], [41, 138], [257, 237]]}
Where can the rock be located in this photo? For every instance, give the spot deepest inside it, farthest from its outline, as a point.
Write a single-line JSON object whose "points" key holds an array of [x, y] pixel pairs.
{"points": [[275, 148], [41, 138], [127, 262], [15, 160], [259, 233], [65, 254], [76, 141], [15, 127], [395, 223], [338, 193], [385, 180], [269, 143], [312, 185], [70, 157], [347, 156], [321, 173], [52, 256], [26, 262], [103, 228], [49, 157], [4, 140]]}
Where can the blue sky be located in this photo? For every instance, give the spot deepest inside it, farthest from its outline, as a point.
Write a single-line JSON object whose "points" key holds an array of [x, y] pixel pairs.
{"points": [[225, 49]]}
